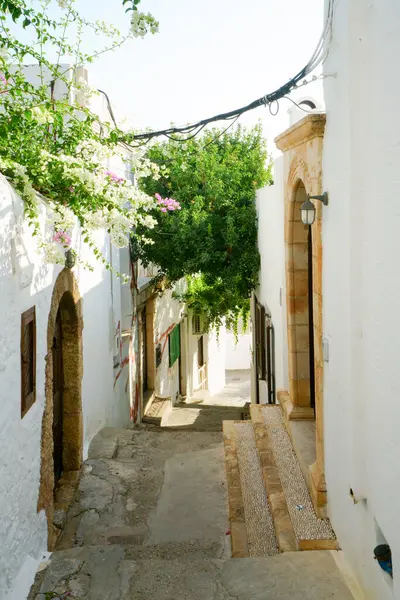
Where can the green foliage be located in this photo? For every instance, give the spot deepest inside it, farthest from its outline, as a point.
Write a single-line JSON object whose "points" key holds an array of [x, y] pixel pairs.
{"points": [[53, 147], [212, 240]]}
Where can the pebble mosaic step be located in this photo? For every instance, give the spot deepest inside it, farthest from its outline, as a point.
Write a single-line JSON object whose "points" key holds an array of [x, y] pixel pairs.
{"points": [[158, 411], [252, 526], [311, 532]]}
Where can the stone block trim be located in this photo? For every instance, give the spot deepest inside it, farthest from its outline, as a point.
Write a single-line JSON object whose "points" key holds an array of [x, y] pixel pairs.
{"points": [[239, 541]]}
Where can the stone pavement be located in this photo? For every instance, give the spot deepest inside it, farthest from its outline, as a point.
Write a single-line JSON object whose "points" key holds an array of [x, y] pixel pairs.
{"points": [[150, 522]]}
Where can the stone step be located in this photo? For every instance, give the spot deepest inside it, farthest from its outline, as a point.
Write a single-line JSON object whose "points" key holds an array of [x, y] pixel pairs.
{"points": [[296, 523], [110, 572], [252, 527], [158, 411]]}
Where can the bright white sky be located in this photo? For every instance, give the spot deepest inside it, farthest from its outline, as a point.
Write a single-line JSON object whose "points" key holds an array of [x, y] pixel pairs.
{"points": [[210, 56]]}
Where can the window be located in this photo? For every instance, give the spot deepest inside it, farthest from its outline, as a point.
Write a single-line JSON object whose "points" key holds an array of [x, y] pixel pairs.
{"points": [[174, 345], [28, 360], [197, 324]]}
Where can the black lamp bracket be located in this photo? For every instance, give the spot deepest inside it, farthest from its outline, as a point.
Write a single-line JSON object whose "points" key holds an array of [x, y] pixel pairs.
{"points": [[322, 198]]}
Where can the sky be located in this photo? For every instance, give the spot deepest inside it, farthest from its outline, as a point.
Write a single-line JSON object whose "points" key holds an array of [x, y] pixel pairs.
{"points": [[210, 56]]}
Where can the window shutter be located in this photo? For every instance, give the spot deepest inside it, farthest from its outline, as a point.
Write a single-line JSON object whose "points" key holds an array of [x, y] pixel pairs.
{"points": [[174, 345], [28, 360], [260, 341], [196, 324]]}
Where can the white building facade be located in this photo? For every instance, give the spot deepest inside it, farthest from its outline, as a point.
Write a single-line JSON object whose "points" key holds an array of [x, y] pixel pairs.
{"points": [[59, 330], [332, 290]]}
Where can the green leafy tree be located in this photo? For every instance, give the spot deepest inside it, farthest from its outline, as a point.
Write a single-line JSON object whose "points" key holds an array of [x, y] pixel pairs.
{"points": [[212, 239]]}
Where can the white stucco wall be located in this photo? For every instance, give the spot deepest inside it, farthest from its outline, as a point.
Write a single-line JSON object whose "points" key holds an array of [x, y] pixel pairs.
{"points": [[215, 351], [361, 287], [271, 290], [25, 282], [214, 348], [238, 352], [168, 315]]}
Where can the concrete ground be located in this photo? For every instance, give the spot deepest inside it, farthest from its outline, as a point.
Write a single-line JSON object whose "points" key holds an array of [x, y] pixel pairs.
{"points": [[150, 522], [203, 412]]}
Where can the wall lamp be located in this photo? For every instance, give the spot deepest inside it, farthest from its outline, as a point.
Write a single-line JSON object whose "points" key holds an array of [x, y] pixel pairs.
{"points": [[308, 208]]}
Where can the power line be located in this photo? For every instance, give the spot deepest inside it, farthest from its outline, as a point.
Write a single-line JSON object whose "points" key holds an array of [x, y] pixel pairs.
{"points": [[319, 56]]}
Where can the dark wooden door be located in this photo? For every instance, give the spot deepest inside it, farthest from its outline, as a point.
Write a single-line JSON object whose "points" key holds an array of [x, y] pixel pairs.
{"points": [[58, 409], [144, 352], [200, 352], [311, 319]]}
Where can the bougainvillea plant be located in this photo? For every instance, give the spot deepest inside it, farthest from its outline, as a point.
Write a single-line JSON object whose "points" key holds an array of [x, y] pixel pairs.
{"points": [[212, 240], [53, 147]]}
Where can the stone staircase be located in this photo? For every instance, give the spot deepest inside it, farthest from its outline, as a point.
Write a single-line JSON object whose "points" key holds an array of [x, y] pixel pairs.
{"points": [[270, 509]]}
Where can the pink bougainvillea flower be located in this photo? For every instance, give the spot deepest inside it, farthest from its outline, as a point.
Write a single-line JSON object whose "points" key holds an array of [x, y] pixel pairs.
{"points": [[3, 84], [62, 237], [114, 177], [167, 203]]}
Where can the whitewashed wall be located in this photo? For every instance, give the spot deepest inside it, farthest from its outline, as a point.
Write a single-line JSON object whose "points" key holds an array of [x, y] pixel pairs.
{"points": [[24, 282], [168, 314], [361, 286], [271, 290], [238, 352], [214, 356], [215, 350]]}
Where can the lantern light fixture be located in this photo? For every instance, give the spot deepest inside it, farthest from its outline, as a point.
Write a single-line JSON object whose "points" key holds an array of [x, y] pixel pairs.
{"points": [[308, 208]]}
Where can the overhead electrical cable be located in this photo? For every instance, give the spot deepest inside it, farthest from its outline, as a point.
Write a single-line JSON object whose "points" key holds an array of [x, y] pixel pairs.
{"points": [[191, 130]]}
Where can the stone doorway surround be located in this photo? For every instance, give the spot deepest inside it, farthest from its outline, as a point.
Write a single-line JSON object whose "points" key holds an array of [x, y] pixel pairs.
{"points": [[302, 145], [65, 300]]}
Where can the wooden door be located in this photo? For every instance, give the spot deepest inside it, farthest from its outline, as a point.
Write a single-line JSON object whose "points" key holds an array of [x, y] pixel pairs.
{"points": [[58, 408], [311, 319], [143, 350]]}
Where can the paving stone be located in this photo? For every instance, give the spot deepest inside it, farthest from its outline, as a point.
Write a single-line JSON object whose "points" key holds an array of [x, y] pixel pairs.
{"points": [[86, 523], [289, 576], [104, 444], [60, 570], [240, 546], [96, 493]]}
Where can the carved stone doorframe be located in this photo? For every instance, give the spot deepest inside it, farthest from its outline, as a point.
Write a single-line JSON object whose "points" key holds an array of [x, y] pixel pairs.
{"points": [[302, 146], [66, 305]]}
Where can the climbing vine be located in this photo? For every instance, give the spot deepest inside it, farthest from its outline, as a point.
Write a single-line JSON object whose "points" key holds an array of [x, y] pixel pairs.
{"points": [[212, 239], [54, 146]]}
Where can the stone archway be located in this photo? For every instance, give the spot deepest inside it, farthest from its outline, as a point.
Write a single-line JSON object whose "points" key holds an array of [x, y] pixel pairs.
{"points": [[302, 147], [65, 312], [299, 301]]}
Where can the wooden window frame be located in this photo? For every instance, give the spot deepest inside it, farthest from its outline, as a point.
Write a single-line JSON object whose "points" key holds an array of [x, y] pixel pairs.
{"points": [[27, 400], [176, 332]]}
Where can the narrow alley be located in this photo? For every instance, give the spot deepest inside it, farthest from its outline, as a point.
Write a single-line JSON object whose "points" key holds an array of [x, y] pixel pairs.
{"points": [[150, 520]]}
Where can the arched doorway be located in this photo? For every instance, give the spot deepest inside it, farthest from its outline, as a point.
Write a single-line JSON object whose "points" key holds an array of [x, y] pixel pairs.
{"points": [[301, 313], [62, 431], [302, 148]]}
